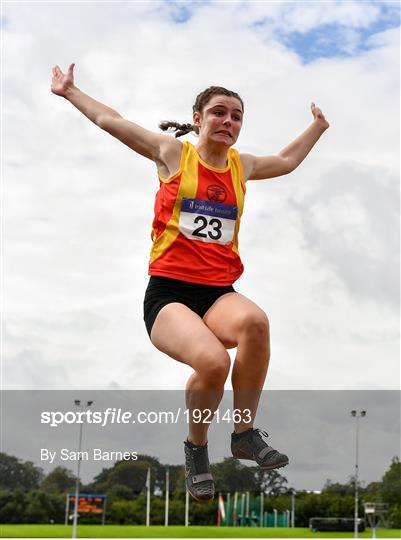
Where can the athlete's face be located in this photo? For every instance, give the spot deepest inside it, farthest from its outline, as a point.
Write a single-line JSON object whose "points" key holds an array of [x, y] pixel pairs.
{"points": [[220, 120]]}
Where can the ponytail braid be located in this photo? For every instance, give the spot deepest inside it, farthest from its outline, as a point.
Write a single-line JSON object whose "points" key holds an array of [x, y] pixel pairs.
{"points": [[180, 129]]}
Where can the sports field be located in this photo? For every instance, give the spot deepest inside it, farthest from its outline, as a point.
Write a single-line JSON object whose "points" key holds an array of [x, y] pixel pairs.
{"points": [[128, 531]]}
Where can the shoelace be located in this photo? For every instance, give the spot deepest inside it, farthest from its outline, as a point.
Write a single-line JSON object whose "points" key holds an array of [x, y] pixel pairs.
{"points": [[257, 438], [200, 460], [260, 443]]}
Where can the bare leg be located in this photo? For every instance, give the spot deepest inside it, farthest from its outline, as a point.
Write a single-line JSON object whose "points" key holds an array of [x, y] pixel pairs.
{"points": [[182, 334], [238, 322]]}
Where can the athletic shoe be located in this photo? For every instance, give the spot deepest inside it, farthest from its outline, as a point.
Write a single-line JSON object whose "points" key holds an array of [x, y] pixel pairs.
{"points": [[198, 480], [250, 445]]}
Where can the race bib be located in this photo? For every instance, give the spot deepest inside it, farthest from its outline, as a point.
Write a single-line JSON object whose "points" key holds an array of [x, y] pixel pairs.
{"points": [[207, 221]]}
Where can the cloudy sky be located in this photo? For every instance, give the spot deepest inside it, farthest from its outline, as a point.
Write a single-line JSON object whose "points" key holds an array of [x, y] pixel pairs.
{"points": [[320, 246]]}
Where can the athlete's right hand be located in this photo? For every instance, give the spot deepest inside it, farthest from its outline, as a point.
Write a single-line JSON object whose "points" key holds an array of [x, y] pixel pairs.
{"points": [[62, 82]]}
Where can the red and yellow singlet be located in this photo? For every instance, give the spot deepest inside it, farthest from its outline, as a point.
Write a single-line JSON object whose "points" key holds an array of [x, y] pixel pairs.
{"points": [[197, 220]]}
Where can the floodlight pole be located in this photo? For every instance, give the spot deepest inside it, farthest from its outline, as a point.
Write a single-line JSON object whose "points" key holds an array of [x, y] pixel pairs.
{"points": [[167, 489], [357, 415], [186, 508], [67, 508], [148, 498], [293, 509], [77, 402], [235, 509]]}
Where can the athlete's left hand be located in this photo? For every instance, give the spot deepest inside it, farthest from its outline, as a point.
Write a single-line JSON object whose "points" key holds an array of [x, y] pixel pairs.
{"points": [[319, 116]]}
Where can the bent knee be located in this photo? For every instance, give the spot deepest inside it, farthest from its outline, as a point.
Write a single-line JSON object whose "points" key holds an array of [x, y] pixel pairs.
{"points": [[214, 365], [256, 325]]}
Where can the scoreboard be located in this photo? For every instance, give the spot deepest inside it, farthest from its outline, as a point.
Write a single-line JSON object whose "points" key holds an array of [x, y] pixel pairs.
{"points": [[88, 503]]}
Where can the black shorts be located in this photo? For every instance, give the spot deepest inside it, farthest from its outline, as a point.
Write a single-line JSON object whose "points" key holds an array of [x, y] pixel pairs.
{"points": [[162, 291]]}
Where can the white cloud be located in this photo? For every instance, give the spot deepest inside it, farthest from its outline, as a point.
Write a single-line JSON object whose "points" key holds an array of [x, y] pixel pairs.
{"points": [[78, 205], [305, 16]]}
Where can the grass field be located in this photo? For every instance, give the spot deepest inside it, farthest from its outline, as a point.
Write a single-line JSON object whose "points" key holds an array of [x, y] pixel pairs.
{"points": [[127, 531]]}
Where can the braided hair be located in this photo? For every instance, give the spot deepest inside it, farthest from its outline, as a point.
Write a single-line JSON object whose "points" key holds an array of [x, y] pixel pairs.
{"points": [[201, 100]]}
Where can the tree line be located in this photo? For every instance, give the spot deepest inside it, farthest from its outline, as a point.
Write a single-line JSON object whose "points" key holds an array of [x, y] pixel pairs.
{"points": [[27, 495]]}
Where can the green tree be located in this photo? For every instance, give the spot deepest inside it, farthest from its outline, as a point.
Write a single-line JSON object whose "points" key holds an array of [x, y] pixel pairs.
{"points": [[119, 492], [121, 511], [270, 482], [12, 506], [101, 478], [60, 480], [395, 517], [131, 474], [307, 505], [230, 475], [336, 488], [391, 492], [391, 483], [18, 474], [372, 492], [340, 505], [31, 507], [44, 507]]}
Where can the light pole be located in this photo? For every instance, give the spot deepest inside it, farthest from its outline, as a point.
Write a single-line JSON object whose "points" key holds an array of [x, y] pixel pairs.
{"points": [[186, 508], [357, 415], [167, 489], [77, 403], [293, 509]]}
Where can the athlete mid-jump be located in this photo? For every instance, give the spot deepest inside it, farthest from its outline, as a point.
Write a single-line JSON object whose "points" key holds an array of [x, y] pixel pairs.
{"points": [[191, 311]]}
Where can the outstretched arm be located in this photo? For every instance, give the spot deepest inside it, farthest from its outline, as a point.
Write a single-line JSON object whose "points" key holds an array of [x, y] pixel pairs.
{"points": [[155, 146], [260, 168]]}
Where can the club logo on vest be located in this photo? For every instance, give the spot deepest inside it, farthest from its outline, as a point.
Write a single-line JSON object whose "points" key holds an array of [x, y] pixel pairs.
{"points": [[216, 193]]}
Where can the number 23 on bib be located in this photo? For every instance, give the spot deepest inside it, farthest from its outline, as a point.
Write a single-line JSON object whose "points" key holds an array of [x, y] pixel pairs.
{"points": [[207, 221]]}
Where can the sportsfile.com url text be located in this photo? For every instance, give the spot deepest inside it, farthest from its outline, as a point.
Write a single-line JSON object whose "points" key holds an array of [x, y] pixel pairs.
{"points": [[113, 415]]}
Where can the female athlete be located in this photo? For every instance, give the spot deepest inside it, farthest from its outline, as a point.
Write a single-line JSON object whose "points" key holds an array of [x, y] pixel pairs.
{"points": [[191, 311]]}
